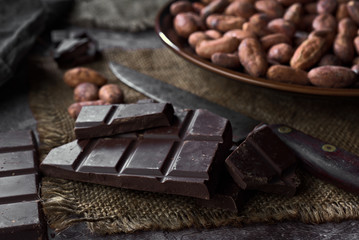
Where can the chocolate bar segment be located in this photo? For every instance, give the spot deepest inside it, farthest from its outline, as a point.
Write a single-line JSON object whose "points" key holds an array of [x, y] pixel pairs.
{"points": [[260, 161], [185, 158], [15, 163], [21, 220], [18, 188], [107, 120], [20, 210], [17, 140]]}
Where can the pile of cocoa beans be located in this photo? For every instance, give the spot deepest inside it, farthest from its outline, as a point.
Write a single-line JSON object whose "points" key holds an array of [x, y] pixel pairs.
{"points": [[293, 41], [90, 88]]}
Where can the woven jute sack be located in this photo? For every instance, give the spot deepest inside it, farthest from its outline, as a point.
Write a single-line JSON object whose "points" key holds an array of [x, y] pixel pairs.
{"points": [[109, 210]]}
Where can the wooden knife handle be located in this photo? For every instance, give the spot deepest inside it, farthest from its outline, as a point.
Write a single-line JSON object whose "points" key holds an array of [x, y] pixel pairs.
{"points": [[323, 160]]}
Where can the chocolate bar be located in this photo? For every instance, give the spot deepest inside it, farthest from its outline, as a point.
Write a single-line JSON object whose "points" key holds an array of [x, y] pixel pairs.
{"points": [[260, 161], [20, 211], [185, 158], [107, 120]]}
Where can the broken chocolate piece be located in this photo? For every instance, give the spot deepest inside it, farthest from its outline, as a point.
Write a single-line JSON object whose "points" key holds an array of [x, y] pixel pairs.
{"points": [[285, 185], [107, 120], [259, 162], [185, 158], [76, 50], [228, 196], [20, 211]]}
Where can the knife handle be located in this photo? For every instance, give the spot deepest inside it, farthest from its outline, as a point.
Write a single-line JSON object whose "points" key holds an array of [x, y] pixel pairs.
{"points": [[321, 159]]}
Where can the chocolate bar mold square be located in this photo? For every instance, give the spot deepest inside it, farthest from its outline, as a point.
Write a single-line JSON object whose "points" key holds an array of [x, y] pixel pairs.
{"points": [[22, 220]]}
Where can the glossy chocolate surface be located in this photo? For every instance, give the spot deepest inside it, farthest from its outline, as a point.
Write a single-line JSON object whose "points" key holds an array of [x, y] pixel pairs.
{"points": [[15, 141], [15, 163], [18, 188], [107, 120], [185, 158], [21, 220], [260, 162], [20, 210]]}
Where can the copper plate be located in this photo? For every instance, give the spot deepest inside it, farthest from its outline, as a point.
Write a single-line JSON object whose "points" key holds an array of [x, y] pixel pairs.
{"points": [[180, 46]]}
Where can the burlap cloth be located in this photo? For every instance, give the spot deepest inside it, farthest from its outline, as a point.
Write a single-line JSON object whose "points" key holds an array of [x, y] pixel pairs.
{"points": [[109, 210]]}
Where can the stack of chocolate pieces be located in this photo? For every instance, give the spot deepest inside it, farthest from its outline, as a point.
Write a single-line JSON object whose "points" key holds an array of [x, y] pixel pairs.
{"points": [[263, 162], [20, 209], [152, 147]]}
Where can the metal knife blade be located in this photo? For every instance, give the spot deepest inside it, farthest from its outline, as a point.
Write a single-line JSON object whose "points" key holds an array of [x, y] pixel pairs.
{"points": [[163, 92], [323, 160]]}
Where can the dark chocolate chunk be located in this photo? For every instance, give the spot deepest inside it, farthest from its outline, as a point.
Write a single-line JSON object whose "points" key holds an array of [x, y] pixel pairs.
{"points": [[21, 220], [286, 184], [76, 50], [185, 158], [20, 212], [259, 162], [107, 120], [18, 188], [228, 196]]}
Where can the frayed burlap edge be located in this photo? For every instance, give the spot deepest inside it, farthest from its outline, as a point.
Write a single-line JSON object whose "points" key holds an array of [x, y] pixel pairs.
{"points": [[315, 202], [61, 201]]}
